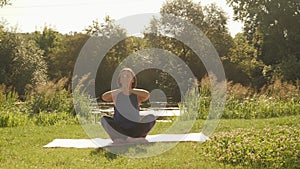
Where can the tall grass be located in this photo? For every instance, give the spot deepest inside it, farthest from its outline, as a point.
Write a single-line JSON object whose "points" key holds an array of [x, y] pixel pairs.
{"points": [[275, 100], [52, 97], [8, 98], [11, 108]]}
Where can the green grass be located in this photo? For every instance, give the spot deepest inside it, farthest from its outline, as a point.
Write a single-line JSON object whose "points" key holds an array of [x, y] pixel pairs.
{"points": [[22, 147]]}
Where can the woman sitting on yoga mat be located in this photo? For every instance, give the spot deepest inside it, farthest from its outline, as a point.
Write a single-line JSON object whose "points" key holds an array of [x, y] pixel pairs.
{"points": [[127, 125]]}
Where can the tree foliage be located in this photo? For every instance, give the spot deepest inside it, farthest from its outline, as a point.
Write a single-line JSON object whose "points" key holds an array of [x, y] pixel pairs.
{"points": [[22, 63], [4, 2], [244, 55], [50, 41], [273, 27], [211, 20], [111, 37], [63, 58]]}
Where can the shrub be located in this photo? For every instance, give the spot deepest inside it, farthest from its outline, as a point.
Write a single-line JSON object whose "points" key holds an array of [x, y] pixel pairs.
{"points": [[260, 106], [41, 119], [49, 119], [52, 97], [261, 148], [14, 119]]}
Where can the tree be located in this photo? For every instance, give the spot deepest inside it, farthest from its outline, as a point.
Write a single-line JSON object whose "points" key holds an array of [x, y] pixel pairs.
{"points": [[23, 64], [216, 29], [211, 20], [272, 26], [185, 9], [244, 55], [63, 59], [50, 41], [108, 29], [7, 43], [4, 2], [109, 40], [28, 68]]}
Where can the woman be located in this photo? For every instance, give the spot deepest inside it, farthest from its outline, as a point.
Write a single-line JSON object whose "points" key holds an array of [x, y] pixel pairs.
{"points": [[127, 125]]}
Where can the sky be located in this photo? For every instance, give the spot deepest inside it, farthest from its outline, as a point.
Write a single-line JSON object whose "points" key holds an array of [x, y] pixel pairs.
{"points": [[75, 15]]}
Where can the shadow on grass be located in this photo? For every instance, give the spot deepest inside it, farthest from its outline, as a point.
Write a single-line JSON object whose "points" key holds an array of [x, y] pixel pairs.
{"points": [[106, 153], [111, 153]]}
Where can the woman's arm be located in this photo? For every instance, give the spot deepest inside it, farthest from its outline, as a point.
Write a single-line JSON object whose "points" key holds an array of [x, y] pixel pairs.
{"points": [[110, 96], [142, 94]]}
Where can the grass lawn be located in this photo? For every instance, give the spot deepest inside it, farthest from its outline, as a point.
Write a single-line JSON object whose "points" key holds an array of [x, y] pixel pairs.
{"points": [[22, 147]]}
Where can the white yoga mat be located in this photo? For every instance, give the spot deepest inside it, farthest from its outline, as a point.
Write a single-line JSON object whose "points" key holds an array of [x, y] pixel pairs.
{"points": [[99, 142]]}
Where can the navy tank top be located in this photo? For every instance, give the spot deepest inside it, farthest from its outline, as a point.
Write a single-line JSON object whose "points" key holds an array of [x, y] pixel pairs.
{"points": [[126, 111]]}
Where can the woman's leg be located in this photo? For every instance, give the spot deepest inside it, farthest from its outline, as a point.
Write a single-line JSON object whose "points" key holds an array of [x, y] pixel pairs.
{"points": [[112, 129], [147, 122], [142, 128]]}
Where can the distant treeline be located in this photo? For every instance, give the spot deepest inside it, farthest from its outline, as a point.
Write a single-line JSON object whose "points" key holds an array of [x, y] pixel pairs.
{"points": [[267, 50]]}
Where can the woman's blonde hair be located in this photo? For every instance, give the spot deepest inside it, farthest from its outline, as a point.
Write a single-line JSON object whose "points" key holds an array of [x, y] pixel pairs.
{"points": [[134, 81]]}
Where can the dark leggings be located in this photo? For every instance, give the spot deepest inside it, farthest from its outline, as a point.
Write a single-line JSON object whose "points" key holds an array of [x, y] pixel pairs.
{"points": [[115, 131]]}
